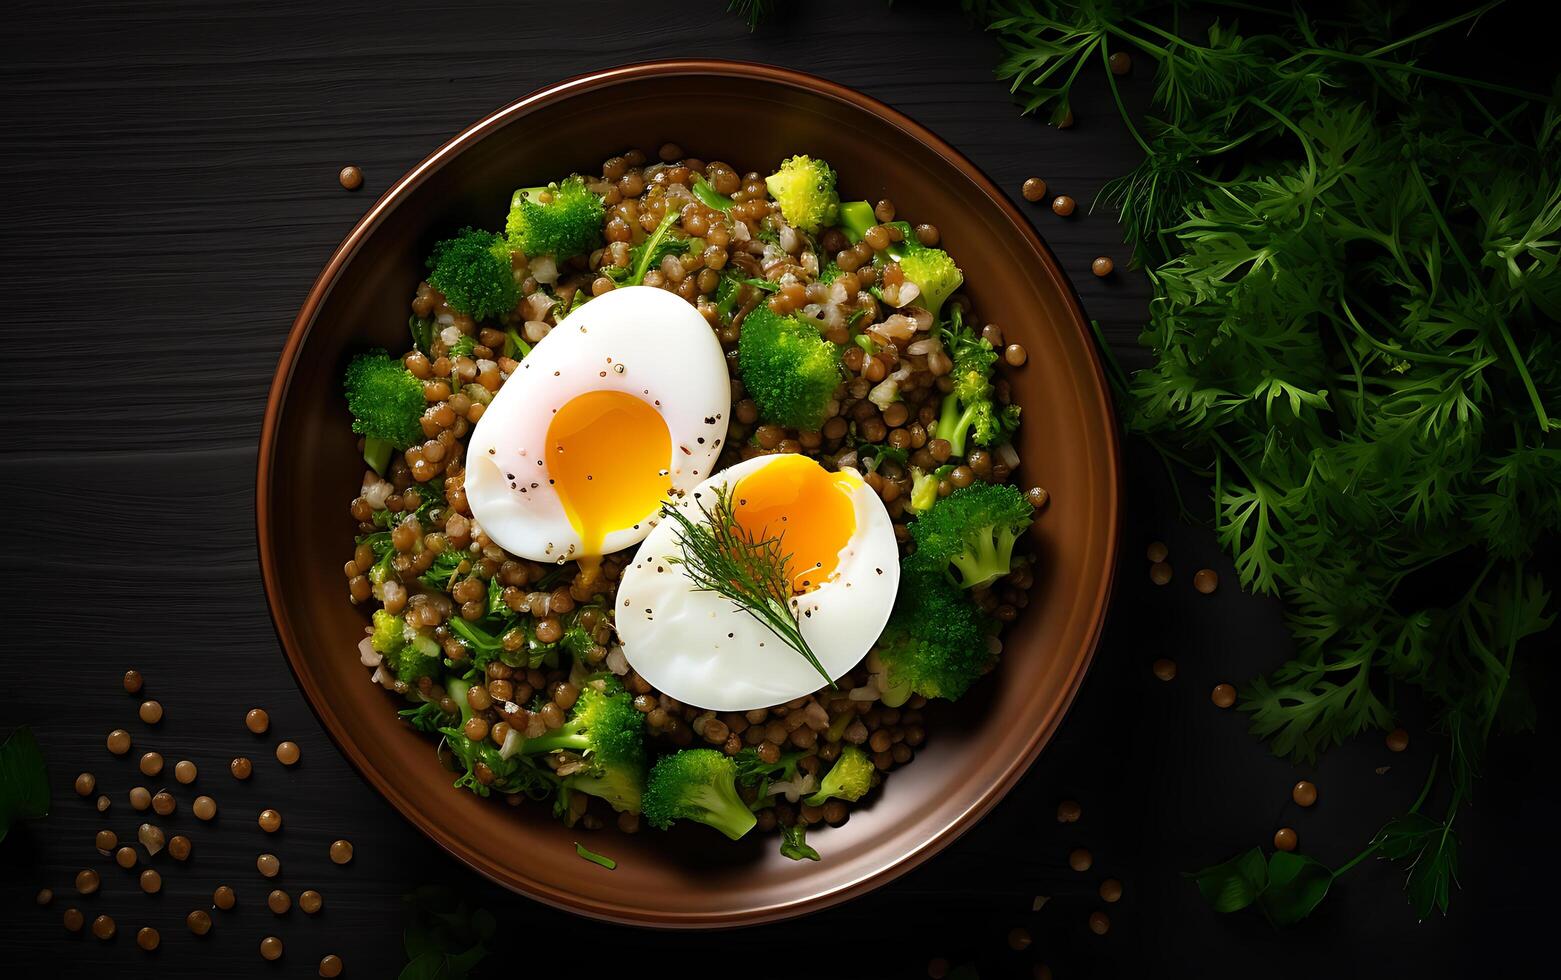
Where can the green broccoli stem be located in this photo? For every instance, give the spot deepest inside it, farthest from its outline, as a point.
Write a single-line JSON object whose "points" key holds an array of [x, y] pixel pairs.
{"points": [[710, 197], [571, 737], [856, 217], [895, 695], [376, 453], [725, 812], [514, 343], [988, 557], [953, 424]]}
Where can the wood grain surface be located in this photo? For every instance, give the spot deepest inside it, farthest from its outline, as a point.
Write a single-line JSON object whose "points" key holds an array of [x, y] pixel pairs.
{"points": [[168, 174]]}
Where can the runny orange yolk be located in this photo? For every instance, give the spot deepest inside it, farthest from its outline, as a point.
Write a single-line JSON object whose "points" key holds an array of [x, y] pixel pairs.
{"points": [[608, 455], [807, 507]]}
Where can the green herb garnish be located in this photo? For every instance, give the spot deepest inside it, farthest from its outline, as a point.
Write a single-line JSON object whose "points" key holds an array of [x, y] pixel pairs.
{"points": [[1356, 261], [594, 857], [794, 844], [725, 558]]}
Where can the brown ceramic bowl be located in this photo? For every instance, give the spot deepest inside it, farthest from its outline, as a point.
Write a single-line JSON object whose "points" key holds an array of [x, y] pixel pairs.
{"points": [[977, 749]]}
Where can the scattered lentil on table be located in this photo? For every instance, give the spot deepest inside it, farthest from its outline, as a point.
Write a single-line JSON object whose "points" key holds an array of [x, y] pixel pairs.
{"points": [[118, 741], [85, 784], [1304, 793], [1034, 189], [287, 753], [1062, 205], [330, 965], [73, 919], [1206, 580], [1165, 669], [126, 857], [1110, 890], [45, 896], [311, 901], [1069, 811], [132, 682], [151, 881], [199, 922], [205, 807], [1223, 695], [269, 865], [151, 763], [1397, 740], [1099, 923], [241, 767], [106, 841], [341, 851], [1102, 266], [223, 897], [1080, 859], [1160, 573], [1285, 839], [1120, 62], [271, 948], [185, 772], [270, 821], [350, 177], [257, 721], [151, 712], [103, 927], [279, 901], [179, 847]]}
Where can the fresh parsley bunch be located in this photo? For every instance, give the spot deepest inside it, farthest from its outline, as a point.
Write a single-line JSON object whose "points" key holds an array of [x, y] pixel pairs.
{"points": [[1354, 327]]}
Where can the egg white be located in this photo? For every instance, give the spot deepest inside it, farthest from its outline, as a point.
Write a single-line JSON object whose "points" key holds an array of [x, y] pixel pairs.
{"points": [[702, 650], [637, 339]]}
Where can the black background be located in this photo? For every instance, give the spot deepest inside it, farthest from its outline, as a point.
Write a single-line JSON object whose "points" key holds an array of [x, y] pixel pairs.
{"points": [[168, 174]]}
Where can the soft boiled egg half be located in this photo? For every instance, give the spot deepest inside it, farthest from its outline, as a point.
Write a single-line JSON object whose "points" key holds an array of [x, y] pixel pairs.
{"points": [[844, 570], [622, 404]]}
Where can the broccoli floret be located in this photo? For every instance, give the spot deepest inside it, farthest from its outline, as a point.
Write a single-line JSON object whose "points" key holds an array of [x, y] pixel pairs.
{"points": [[700, 785], [389, 632], [931, 269], [924, 490], [474, 272], [935, 643], [486, 768], [426, 717], [974, 529], [970, 411], [561, 220], [805, 190], [386, 401], [604, 728], [623, 787], [788, 368], [935, 274], [407, 654], [848, 779]]}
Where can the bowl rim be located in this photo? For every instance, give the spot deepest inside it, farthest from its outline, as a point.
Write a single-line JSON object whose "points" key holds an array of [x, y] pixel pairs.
{"points": [[626, 914]]}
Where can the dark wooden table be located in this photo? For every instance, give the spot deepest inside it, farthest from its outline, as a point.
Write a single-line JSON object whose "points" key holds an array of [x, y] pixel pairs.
{"points": [[169, 178]]}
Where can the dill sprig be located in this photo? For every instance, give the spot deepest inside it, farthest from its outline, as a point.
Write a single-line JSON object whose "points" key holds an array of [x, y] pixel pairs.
{"points": [[723, 557]]}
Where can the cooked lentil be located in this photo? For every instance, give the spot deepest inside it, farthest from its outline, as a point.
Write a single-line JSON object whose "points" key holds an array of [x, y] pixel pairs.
{"points": [[73, 919], [1223, 695], [341, 851], [241, 768], [85, 784], [1080, 859], [107, 840], [1120, 62], [287, 753], [204, 807], [270, 821], [1034, 189], [140, 797], [257, 721], [1206, 580], [1062, 205], [151, 764], [1110, 890], [45, 896], [151, 712], [1099, 923], [223, 897], [151, 881], [163, 804], [87, 881], [1019, 938], [350, 178], [104, 803], [132, 681], [271, 948], [279, 901], [1102, 266], [103, 927], [1304, 792], [1285, 839], [1069, 811], [118, 741], [179, 847], [1165, 669], [184, 771], [269, 865], [1160, 573], [1397, 740], [330, 965], [311, 901], [125, 857], [1158, 552]]}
